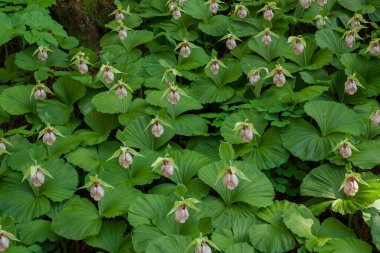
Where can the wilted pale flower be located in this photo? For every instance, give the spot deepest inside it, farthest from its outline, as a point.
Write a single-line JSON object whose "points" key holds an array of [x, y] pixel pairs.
{"points": [[279, 79], [298, 47], [375, 119], [49, 137], [266, 39], [204, 248], [246, 134], [39, 93], [108, 76], [268, 14], [97, 191], [37, 179], [305, 3], [185, 51], [242, 13], [173, 97], [231, 43], [322, 2], [374, 49], [2, 146], [214, 6], [214, 67], [350, 40], [157, 129], [125, 159], [345, 150], [4, 242], [351, 187], [181, 214], [119, 16], [230, 180], [176, 13], [121, 92], [42, 55], [350, 87], [82, 67], [254, 78], [123, 33], [167, 168]]}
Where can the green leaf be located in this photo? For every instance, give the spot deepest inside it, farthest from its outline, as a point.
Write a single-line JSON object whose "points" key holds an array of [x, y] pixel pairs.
{"points": [[274, 50], [78, 220], [54, 112], [170, 243], [259, 192], [368, 157], [333, 228], [301, 221], [108, 102], [117, 201], [7, 27], [307, 93], [64, 182], [356, 5], [327, 38], [346, 245], [325, 182], [20, 202], [197, 58], [207, 92], [69, 90], [16, 100], [226, 152], [27, 61], [240, 248], [28, 230], [227, 74], [375, 231], [110, 237], [215, 26], [197, 9], [189, 125], [262, 234]]}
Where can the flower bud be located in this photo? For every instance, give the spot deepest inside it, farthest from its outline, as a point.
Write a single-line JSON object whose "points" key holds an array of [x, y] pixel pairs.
{"points": [[121, 92], [2, 146], [214, 67], [108, 76], [350, 40], [4, 242], [254, 78], [173, 97], [214, 6], [246, 134], [375, 119], [298, 47], [266, 39], [351, 187], [122, 34], [242, 13], [119, 16], [350, 87], [305, 3], [374, 49], [167, 169], [176, 13], [157, 129], [171, 4], [97, 191], [82, 67], [345, 150], [204, 248], [181, 214], [185, 51], [37, 179], [231, 43], [279, 79], [230, 180], [319, 24], [39, 93], [42, 55], [49, 137], [125, 160], [268, 14], [322, 2]]}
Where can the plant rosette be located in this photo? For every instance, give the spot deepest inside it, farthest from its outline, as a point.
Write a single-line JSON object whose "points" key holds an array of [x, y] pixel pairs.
{"points": [[350, 184], [39, 91], [279, 75], [36, 175], [125, 156], [48, 135], [121, 89], [231, 176], [157, 126], [267, 10], [180, 209], [166, 164], [97, 190]]}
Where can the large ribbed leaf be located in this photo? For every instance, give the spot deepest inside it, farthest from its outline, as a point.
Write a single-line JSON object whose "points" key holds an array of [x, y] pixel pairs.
{"points": [[16, 100], [170, 243]]}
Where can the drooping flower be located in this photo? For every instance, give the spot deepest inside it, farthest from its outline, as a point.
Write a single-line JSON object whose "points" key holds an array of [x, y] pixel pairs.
{"points": [[48, 135], [374, 48], [181, 209], [36, 175], [375, 118], [122, 34], [230, 180], [246, 130], [125, 159], [5, 238], [202, 245], [81, 60], [176, 12], [181, 214], [305, 3], [214, 6], [351, 85], [231, 40], [39, 91], [124, 155], [185, 48], [121, 89], [351, 187], [241, 11], [320, 21], [166, 165], [279, 75], [214, 65], [298, 44], [3, 147], [37, 179], [157, 129], [254, 78], [268, 10], [345, 148], [322, 2], [119, 12], [96, 190], [266, 36], [203, 248], [108, 75]]}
